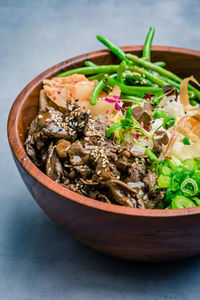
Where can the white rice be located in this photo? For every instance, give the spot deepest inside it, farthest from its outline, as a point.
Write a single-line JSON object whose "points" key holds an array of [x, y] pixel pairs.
{"points": [[172, 106]]}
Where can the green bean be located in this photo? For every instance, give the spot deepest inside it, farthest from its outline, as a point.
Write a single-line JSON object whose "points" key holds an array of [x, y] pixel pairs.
{"points": [[136, 94], [176, 85], [146, 53], [115, 49], [132, 90], [160, 63], [139, 97], [121, 70], [160, 70], [95, 93], [91, 70], [140, 79], [167, 80], [173, 83], [132, 99], [154, 67], [98, 76], [193, 102], [89, 63], [150, 76]]}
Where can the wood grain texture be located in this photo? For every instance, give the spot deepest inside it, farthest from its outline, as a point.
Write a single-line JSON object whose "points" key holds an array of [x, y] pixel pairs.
{"points": [[130, 233]]}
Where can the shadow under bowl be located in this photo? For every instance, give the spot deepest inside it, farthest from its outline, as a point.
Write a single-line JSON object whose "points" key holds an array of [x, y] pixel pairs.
{"points": [[136, 234]]}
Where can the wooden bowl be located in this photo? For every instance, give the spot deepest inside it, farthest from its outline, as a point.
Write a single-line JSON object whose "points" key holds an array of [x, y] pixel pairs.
{"points": [[131, 233]]}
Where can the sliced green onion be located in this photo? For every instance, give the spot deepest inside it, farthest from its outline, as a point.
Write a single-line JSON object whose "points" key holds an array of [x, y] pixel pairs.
{"points": [[182, 202], [174, 162], [165, 170], [190, 163], [197, 163], [163, 181], [196, 201], [189, 187], [197, 173], [175, 182], [169, 207]]}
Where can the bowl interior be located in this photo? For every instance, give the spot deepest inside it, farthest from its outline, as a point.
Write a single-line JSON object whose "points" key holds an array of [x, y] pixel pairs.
{"points": [[182, 62]]}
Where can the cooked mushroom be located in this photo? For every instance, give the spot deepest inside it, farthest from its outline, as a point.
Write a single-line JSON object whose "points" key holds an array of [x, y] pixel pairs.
{"points": [[53, 165], [61, 148]]}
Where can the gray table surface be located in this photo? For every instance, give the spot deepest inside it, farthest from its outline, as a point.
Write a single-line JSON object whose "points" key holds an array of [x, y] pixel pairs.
{"points": [[37, 259]]}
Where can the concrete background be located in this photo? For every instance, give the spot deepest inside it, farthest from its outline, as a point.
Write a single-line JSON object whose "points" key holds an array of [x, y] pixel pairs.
{"points": [[37, 259]]}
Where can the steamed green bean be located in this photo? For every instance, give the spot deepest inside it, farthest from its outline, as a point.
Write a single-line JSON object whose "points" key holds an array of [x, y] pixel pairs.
{"points": [[146, 53], [91, 70], [160, 70], [89, 63], [115, 49], [120, 71], [95, 93], [150, 76], [132, 89]]}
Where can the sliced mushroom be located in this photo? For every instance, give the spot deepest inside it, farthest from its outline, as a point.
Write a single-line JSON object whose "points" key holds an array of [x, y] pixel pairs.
{"points": [[77, 154], [121, 193], [39, 122], [61, 148], [53, 165]]}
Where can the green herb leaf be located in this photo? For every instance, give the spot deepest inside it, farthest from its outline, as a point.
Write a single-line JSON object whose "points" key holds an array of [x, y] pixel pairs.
{"points": [[186, 141], [113, 128], [168, 121], [129, 113], [127, 124], [159, 114]]}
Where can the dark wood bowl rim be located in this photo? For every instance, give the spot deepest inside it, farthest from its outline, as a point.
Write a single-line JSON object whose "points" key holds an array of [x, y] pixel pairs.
{"points": [[20, 153]]}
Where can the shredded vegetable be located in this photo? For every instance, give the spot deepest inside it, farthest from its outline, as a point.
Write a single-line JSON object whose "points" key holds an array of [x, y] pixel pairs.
{"points": [[184, 98]]}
